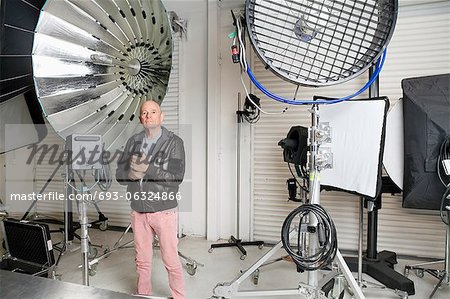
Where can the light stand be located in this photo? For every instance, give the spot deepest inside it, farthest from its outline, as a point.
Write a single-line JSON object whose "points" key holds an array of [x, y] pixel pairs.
{"points": [[233, 241], [77, 148], [442, 275], [314, 185], [313, 289], [68, 224], [84, 239], [379, 265], [68, 213], [84, 225]]}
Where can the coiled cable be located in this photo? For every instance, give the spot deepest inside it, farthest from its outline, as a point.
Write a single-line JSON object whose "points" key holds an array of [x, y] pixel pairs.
{"points": [[444, 155], [325, 232]]}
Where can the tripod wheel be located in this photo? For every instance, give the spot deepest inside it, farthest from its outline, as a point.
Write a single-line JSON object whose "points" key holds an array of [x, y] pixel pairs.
{"points": [[330, 292], [255, 277], [93, 270], [92, 252], [103, 225], [56, 276], [191, 269], [406, 272]]}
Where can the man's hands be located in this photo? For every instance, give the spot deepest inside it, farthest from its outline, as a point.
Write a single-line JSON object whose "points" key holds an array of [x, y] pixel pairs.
{"points": [[138, 167]]}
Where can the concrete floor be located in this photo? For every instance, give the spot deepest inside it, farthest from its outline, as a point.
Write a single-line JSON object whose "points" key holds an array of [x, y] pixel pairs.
{"points": [[117, 272]]}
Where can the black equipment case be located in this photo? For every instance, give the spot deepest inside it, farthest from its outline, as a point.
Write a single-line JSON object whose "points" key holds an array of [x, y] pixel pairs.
{"points": [[29, 248]]}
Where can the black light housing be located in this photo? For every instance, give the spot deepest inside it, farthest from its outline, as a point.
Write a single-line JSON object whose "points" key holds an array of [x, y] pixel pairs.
{"points": [[295, 145]]}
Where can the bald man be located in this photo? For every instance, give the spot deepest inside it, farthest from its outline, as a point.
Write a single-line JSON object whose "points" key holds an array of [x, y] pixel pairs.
{"points": [[152, 166]]}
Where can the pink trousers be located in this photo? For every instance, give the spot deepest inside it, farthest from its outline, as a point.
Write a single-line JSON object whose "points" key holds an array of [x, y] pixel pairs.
{"points": [[164, 225]]}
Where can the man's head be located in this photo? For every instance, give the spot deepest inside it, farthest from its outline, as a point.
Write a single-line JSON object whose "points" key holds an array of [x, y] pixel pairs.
{"points": [[150, 115]]}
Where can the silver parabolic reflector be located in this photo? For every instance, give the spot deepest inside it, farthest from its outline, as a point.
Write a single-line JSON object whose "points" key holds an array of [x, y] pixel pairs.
{"points": [[96, 61]]}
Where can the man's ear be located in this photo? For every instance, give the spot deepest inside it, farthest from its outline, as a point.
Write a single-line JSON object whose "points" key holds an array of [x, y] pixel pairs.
{"points": [[162, 117]]}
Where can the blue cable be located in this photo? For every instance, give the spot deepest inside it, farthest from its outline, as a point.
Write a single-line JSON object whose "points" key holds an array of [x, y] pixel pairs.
{"points": [[378, 68]]}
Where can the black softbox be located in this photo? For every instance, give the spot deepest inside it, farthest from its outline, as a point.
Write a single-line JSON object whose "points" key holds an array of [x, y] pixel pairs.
{"points": [[426, 119], [18, 101]]}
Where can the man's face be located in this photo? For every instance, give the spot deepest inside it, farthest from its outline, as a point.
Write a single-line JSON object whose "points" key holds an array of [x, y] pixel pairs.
{"points": [[151, 115]]}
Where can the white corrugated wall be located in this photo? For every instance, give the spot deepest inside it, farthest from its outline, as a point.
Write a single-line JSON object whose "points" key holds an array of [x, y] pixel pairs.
{"points": [[420, 46], [117, 211]]}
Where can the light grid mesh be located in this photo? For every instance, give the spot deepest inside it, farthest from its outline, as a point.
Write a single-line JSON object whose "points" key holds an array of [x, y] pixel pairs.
{"points": [[320, 42]]}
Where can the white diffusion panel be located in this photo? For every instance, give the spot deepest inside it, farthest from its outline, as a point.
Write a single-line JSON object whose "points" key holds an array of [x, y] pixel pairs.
{"points": [[393, 154], [356, 130]]}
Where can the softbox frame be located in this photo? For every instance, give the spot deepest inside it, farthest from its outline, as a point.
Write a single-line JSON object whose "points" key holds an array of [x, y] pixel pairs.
{"points": [[426, 111], [358, 134]]}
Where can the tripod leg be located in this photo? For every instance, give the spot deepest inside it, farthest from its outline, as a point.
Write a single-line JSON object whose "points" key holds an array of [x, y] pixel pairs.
{"points": [[438, 285], [122, 236], [226, 288], [106, 254], [29, 210], [445, 277], [42, 190], [358, 294]]}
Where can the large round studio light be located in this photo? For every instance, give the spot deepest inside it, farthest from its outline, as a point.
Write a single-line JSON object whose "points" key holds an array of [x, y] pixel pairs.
{"points": [[19, 109], [95, 62], [320, 42]]}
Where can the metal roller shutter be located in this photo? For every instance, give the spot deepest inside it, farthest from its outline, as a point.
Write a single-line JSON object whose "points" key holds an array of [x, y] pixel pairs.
{"points": [[420, 46]]}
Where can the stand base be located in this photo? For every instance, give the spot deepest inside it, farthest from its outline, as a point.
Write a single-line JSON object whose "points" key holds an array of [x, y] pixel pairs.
{"points": [[239, 244], [191, 264], [382, 269], [315, 291], [441, 275]]}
